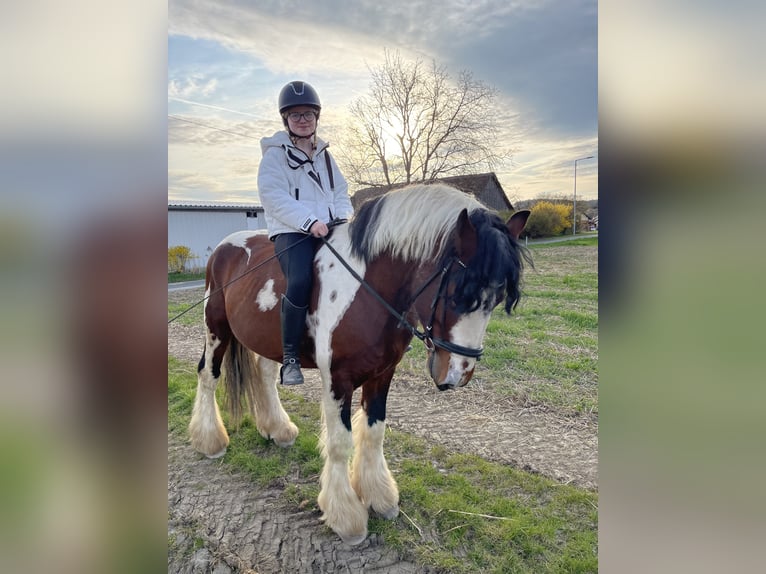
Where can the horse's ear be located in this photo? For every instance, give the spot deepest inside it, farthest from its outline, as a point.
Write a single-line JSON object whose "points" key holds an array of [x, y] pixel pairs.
{"points": [[466, 241], [517, 222]]}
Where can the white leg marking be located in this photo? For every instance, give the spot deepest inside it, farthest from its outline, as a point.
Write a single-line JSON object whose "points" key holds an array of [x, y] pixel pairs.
{"points": [[341, 507], [208, 435], [343, 511], [370, 476], [271, 420]]}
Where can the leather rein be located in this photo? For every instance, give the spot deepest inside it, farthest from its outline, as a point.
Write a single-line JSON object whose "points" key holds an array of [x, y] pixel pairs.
{"points": [[427, 337]]}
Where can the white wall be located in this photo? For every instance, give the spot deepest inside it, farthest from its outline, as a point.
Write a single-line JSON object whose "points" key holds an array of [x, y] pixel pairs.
{"points": [[201, 231]]}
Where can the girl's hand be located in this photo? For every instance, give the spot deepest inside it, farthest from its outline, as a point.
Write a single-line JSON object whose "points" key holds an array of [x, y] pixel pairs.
{"points": [[318, 229]]}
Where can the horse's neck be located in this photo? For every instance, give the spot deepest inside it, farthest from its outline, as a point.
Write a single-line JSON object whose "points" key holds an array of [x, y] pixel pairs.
{"points": [[398, 281]]}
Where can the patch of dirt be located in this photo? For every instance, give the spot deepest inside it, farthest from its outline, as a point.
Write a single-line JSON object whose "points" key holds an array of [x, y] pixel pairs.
{"points": [[218, 523]]}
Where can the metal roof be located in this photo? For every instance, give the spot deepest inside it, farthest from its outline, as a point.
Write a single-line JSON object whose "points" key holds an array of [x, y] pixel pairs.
{"points": [[212, 206]]}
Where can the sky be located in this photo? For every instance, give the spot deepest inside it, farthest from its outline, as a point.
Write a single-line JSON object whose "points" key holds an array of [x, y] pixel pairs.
{"points": [[227, 61]]}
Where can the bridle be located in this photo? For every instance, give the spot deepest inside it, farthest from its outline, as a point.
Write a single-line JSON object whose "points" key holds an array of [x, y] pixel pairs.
{"points": [[427, 337]]}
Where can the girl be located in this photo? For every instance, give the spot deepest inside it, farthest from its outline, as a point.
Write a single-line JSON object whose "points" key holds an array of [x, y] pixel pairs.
{"points": [[301, 190]]}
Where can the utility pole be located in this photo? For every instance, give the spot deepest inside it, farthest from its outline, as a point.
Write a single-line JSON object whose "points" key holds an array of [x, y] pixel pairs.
{"points": [[574, 204]]}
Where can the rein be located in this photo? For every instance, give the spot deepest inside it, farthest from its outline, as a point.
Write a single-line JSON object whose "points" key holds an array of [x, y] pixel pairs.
{"points": [[427, 337]]}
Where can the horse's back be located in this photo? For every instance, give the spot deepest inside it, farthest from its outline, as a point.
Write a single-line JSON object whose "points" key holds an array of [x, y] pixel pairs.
{"points": [[235, 253], [246, 284]]}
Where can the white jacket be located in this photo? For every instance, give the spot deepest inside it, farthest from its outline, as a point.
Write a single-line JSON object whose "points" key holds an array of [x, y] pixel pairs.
{"points": [[295, 191]]}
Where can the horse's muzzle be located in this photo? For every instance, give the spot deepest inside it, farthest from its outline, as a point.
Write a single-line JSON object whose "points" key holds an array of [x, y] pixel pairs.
{"points": [[452, 379]]}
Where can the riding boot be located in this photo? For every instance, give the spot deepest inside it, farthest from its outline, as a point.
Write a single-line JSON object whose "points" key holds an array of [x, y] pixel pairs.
{"points": [[293, 324]]}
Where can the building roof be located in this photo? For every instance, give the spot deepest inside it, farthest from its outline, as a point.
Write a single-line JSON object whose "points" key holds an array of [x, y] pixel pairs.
{"points": [[474, 184], [212, 206]]}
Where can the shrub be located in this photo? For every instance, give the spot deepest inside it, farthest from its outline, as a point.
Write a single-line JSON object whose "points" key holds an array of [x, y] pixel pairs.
{"points": [[178, 256], [548, 219]]}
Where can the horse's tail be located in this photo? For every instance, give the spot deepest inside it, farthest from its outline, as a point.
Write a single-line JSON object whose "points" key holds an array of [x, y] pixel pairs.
{"points": [[240, 370]]}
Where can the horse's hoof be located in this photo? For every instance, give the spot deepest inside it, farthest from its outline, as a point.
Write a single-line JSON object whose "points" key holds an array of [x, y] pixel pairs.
{"points": [[388, 514], [353, 540], [217, 455], [286, 436]]}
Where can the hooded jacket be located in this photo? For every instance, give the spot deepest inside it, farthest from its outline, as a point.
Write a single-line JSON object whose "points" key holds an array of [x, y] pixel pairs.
{"points": [[295, 190]]}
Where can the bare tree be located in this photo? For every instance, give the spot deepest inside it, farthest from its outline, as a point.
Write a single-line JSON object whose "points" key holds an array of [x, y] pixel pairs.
{"points": [[416, 124]]}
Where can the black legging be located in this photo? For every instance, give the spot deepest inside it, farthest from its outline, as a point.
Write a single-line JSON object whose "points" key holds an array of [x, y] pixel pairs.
{"points": [[297, 264]]}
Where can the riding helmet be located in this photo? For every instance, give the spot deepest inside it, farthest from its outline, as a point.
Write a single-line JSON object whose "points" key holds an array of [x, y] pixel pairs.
{"points": [[298, 94]]}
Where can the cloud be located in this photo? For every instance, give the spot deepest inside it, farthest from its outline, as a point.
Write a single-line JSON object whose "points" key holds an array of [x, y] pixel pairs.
{"points": [[540, 55], [192, 87], [547, 167], [188, 185], [216, 131], [283, 40], [545, 57]]}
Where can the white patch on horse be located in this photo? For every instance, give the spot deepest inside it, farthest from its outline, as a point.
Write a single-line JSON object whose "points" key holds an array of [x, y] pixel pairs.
{"points": [[468, 331], [204, 307], [337, 289], [267, 298], [240, 238]]}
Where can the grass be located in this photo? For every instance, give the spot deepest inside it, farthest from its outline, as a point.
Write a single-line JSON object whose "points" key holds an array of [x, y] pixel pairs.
{"points": [[463, 514], [185, 276], [191, 315], [585, 240]]}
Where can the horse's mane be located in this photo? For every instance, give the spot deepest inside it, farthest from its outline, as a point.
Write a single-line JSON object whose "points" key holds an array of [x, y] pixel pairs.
{"points": [[414, 223], [411, 223]]}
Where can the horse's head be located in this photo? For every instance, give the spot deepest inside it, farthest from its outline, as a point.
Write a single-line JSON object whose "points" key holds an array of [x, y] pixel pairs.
{"points": [[462, 269], [481, 268]]}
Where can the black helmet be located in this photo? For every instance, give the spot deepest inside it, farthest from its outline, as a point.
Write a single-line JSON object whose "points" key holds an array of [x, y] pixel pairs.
{"points": [[298, 94]]}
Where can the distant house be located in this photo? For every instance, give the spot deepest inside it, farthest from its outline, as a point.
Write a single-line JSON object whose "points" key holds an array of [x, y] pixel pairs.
{"points": [[201, 226], [484, 187]]}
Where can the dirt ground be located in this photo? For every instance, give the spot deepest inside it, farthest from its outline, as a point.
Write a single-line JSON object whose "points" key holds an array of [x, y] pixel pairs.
{"points": [[217, 522]]}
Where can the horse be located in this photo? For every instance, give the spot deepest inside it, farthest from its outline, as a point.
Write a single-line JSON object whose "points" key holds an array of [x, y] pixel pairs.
{"points": [[427, 254]]}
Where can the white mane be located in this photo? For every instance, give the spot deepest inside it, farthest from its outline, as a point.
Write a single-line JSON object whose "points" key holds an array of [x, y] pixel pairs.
{"points": [[414, 221]]}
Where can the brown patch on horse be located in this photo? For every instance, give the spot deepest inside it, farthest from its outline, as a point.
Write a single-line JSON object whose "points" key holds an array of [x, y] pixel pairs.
{"points": [[362, 340], [253, 327]]}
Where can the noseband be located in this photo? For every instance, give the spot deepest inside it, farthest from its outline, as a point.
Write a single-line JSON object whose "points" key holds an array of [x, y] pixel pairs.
{"points": [[428, 339]]}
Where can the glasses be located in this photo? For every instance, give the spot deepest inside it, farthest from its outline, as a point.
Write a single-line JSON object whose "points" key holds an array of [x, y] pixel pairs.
{"points": [[308, 116]]}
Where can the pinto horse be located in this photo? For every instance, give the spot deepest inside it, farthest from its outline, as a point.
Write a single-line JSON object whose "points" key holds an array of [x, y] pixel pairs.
{"points": [[427, 254]]}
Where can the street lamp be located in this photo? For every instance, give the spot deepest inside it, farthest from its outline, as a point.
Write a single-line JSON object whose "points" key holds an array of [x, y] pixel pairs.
{"points": [[574, 206]]}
